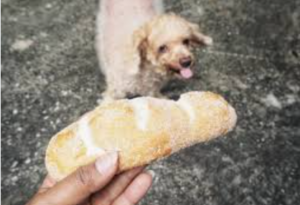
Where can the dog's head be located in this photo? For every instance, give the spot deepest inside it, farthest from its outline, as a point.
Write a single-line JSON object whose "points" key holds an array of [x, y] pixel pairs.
{"points": [[166, 42]]}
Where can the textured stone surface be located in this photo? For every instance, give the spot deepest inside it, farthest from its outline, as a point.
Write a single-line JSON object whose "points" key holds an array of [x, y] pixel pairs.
{"points": [[50, 77]]}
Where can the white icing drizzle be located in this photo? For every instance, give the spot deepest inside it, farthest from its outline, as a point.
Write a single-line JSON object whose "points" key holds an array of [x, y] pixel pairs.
{"points": [[188, 108], [84, 132], [141, 111]]}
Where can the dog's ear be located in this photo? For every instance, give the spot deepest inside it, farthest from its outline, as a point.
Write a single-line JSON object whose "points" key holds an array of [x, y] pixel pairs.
{"points": [[198, 37], [138, 49]]}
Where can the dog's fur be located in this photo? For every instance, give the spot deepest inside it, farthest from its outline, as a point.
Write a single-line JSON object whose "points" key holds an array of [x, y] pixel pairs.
{"points": [[140, 48]]}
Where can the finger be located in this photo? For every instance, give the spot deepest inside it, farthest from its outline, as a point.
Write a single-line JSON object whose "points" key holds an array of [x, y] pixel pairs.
{"points": [[135, 191], [116, 187], [47, 183], [83, 182]]}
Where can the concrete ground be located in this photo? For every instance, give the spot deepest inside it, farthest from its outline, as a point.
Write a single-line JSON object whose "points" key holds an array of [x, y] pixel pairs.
{"points": [[50, 77]]}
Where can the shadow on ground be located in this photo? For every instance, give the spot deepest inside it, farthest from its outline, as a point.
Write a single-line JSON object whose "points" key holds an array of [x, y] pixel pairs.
{"points": [[50, 77]]}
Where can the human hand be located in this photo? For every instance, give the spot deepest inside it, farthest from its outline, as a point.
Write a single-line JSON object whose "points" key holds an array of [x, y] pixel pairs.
{"points": [[96, 184]]}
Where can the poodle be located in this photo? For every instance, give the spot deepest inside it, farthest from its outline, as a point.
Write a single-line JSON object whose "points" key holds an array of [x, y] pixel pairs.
{"points": [[140, 48]]}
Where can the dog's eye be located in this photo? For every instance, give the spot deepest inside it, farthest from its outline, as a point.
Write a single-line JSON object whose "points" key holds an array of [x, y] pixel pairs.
{"points": [[186, 42], [162, 49]]}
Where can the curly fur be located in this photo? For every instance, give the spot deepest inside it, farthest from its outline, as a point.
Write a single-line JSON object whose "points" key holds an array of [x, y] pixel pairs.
{"points": [[139, 46]]}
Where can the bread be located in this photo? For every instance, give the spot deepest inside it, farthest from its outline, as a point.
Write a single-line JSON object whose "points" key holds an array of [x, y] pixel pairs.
{"points": [[141, 130]]}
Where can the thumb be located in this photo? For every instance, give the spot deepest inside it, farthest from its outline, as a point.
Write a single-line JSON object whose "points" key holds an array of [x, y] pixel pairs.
{"points": [[84, 181]]}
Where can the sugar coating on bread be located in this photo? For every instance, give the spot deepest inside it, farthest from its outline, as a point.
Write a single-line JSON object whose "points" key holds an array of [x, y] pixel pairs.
{"points": [[141, 130]]}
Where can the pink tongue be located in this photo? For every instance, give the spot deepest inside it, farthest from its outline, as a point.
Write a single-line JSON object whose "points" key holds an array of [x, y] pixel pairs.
{"points": [[186, 73]]}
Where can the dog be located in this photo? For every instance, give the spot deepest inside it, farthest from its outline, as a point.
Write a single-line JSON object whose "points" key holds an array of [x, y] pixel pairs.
{"points": [[140, 48]]}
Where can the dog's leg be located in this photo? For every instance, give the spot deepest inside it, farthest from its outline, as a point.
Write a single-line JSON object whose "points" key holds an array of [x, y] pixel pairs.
{"points": [[113, 94], [100, 26], [159, 6]]}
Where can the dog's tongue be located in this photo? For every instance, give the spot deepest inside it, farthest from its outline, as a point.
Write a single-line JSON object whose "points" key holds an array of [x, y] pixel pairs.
{"points": [[186, 73]]}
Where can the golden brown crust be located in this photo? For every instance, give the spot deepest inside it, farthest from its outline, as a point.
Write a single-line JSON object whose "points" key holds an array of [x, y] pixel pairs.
{"points": [[65, 153], [141, 130]]}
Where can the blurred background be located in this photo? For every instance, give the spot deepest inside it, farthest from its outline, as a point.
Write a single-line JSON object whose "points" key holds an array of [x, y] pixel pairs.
{"points": [[50, 77]]}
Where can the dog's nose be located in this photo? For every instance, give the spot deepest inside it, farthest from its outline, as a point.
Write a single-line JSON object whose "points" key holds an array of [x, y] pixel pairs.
{"points": [[185, 62]]}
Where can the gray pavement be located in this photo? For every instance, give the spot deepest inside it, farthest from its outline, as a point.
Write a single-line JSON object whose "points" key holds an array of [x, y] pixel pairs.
{"points": [[50, 77]]}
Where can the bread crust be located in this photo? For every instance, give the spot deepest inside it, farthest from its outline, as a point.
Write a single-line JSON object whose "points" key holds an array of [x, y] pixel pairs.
{"points": [[141, 130]]}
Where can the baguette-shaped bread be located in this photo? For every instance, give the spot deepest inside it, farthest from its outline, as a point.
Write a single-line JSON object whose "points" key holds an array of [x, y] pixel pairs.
{"points": [[141, 130]]}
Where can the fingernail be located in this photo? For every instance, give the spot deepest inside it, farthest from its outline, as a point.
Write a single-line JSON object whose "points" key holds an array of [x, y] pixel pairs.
{"points": [[152, 173], [105, 163]]}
